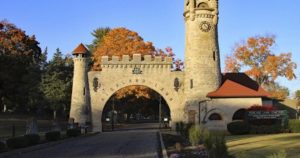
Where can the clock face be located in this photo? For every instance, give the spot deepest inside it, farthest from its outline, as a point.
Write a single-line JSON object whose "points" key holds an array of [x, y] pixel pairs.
{"points": [[205, 26]]}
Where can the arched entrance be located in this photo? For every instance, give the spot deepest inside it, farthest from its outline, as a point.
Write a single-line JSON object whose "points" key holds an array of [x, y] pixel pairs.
{"points": [[112, 79], [135, 107]]}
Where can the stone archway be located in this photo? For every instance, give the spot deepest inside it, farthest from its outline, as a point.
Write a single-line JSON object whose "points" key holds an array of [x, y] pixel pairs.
{"points": [[144, 110], [113, 78]]}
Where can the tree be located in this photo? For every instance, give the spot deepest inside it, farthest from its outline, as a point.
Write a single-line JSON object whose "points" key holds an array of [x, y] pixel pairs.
{"points": [[57, 81], [19, 67], [277, 91], [297, 97], [118, 42], [98, 34], [259, 62], [257, 58]]}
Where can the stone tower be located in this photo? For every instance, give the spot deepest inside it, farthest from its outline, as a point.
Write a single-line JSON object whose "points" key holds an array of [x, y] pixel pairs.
{"points": [[202, 61], [80, 110]]}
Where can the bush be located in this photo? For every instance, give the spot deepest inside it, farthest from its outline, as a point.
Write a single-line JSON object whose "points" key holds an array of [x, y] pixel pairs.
{"points": [[33, 138], [183, 128], [73, 132], [266, 129], [215, 145], [2, 146], [52, 136], [294, 126], [238, 127], [17, 142], [195, 134]]}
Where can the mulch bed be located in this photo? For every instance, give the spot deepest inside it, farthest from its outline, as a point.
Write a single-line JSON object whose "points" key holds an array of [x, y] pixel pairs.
{"points": [[179, 147]]}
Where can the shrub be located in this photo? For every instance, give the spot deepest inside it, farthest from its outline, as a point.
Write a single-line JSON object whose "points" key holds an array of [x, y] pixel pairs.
{"points": [[33, 138], [183, 128], [266, 129], [17, 142], [238, 127], [294, 126], [73, 132], [52, 136], [195, 134], [215, 145], [280, 154], [2, 146]]}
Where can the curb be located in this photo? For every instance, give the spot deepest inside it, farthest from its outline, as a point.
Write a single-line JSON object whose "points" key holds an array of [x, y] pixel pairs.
{"points": [[41, 146], [162, 146]]}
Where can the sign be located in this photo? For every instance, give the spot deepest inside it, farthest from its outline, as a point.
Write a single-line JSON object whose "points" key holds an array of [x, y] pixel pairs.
{"points": [[259, 115], [136, 70]]}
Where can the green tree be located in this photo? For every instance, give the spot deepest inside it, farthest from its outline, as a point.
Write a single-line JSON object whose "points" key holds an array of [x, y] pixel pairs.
{"points": [[57, 81], [19, 68], [98, 34]]}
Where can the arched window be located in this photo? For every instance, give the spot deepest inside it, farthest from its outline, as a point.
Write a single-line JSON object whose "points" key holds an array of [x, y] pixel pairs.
{"points": [[239, 115], [203, 5], [215, 116]]}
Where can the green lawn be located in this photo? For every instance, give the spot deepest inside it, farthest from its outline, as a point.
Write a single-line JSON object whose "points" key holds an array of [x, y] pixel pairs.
{"points": [[260, 146]]}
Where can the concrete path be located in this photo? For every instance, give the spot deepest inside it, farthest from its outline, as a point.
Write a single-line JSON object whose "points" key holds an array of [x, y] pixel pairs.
{"points": [[123, 144]]}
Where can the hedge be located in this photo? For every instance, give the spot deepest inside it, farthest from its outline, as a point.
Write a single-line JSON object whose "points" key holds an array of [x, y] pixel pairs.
{"points": [[238, 127], [18, 142], [294, 126], [266, 129], [33, 138], [2, 146], [52, 136], [73, 132]]}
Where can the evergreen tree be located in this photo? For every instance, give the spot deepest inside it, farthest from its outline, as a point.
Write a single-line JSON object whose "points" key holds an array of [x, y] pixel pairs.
{"points": [[57, 82]]}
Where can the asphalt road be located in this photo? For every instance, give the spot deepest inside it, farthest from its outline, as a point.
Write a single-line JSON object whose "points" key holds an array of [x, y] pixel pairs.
{"points": [[121, 144]]}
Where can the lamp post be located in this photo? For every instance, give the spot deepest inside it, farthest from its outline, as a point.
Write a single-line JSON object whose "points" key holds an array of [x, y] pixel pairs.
{"points": [[113, 114], [159, 112]]}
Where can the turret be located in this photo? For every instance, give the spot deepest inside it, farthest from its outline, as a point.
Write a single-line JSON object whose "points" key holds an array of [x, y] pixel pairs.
{"points": [[80, 110], [202, 59]]}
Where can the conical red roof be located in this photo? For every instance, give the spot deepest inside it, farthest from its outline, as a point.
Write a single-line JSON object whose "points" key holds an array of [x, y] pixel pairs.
{"points": [[80, 49]]}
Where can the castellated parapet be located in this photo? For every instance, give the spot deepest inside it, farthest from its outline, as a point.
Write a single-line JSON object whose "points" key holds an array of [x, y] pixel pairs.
{"points": [[146, 61]]}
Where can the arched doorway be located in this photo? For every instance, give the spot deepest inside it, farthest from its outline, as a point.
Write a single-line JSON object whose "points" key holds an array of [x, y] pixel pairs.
{"points": [[135, 107], [239, 115]]}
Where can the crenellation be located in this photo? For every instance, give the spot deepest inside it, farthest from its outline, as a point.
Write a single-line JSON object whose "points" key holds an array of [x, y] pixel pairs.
{"points": [[137, 60], [147, 58]]}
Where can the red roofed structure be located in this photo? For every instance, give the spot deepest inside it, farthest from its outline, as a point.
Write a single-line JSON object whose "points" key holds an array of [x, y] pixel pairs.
{"points": [[238, 85], [80, 49]]}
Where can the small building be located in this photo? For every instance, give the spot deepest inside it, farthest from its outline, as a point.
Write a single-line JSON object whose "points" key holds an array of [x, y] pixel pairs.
{"points": [[229, 102]]}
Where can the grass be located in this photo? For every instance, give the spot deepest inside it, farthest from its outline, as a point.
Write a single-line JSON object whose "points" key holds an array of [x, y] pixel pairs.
{"points": [[261, 146]]}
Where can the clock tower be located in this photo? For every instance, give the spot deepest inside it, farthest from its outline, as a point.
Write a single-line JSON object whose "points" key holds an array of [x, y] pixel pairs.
{"points": [[202, 59]]}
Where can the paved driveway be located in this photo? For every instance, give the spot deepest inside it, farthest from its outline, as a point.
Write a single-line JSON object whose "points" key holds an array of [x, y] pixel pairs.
{"points": [[123, 144]]}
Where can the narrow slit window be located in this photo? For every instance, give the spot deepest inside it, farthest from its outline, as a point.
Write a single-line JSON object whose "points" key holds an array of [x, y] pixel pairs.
{"points": [[83, 90], [192, 84], [214, 55]]}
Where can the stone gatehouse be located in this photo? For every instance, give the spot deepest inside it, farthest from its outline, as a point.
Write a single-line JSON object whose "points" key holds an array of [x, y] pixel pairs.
{"points": [[199, 94]]}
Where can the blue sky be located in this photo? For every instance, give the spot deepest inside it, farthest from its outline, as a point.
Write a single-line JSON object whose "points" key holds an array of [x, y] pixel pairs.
{"points": [[66, 23]]}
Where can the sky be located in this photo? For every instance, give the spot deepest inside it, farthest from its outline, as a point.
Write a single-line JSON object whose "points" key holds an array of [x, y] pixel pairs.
{"points": [[66, 23]]}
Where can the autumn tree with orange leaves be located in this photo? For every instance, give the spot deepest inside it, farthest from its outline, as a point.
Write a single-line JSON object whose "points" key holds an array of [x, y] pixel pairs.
{"points": [[256, 58], [118, 42]]}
